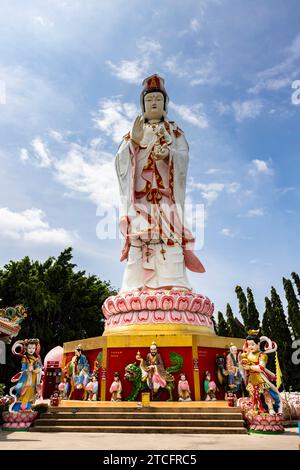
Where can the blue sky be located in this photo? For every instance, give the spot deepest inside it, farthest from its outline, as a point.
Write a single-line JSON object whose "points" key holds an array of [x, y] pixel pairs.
{"points": [[70, 79]]}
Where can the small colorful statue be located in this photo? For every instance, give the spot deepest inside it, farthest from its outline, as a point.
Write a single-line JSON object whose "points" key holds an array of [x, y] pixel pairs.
{"points": [[77, 371], [231, 398], [258, 379], [232, 369], [184, 392], [116, 388], [64, 389], [92, 388], [55, 399], [210, 387], [28, 387]]}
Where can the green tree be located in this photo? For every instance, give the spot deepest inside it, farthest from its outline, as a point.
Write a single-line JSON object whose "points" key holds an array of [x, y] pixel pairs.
{"points": [[296, 279], [222, 328], [292, 307], [282, 335], [253, 315], [63, 303], [267, 330], [243, 307], [234, 326]]}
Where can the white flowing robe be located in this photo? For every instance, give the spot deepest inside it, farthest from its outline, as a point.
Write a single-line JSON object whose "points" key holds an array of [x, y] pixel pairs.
{"points": [[157, 245]]}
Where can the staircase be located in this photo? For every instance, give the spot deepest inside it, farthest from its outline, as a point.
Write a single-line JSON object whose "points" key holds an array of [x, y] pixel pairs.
{"points": [[175, 420]]}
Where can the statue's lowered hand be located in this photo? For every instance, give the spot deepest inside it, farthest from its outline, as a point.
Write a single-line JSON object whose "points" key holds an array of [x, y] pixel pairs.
{"points": [[161, 151]]}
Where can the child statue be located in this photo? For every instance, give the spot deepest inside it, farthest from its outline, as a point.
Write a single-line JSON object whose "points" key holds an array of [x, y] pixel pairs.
{"points": [[64, 389], [210, 387], [92, 388], [184, 392], [116, 388]]}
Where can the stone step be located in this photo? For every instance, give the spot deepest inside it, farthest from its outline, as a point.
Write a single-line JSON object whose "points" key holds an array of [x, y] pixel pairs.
{"points": [[137, 422], [142, 416], [152, 409], [143, 429]]}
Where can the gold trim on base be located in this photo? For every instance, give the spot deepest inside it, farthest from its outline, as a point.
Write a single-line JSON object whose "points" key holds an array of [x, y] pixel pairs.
{"points": [[159, 328]]}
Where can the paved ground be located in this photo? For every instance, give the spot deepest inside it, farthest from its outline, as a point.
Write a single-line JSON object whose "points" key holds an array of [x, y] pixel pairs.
{"points": [[290, 440]]}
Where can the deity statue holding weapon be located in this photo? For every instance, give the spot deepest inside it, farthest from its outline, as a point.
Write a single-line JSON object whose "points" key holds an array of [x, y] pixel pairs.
{"points": [[258, 379]]}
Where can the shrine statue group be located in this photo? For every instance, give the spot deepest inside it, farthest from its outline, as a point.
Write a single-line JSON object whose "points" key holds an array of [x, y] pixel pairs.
{"points": [[77, 376]]}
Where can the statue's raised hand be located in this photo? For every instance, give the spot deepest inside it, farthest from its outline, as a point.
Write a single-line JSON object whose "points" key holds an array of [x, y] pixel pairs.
{"points": [[137, 131]]}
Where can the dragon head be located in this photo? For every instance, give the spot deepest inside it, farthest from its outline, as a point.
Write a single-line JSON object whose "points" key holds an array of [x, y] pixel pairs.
{"points": [[133, 373]]}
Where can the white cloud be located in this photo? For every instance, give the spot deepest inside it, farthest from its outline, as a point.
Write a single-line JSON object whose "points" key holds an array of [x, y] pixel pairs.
{"points": [[41, 152], [204, 73], [24, 155], [56, 135], [227, 232], [134, 71], [171, 64], [213, 171], [90, 172], [149, 46], [211, 191], [249, 109], [260, 166], [131, 71], [115, 118], [259, 212], [191, 114], [42, 21], [282, 74], [241, 110], [56, 236], [30, 226], [32, 102], [194, 25]]}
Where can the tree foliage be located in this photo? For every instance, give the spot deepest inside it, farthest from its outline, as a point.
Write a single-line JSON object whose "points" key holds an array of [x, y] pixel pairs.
{"points": [[292, 307], [63, 303], [234, 327], [243, 306], [222, 328], [253, 314]]}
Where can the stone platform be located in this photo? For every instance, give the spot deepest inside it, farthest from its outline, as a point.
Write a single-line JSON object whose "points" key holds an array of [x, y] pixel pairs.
{"points": [[160, 417]]}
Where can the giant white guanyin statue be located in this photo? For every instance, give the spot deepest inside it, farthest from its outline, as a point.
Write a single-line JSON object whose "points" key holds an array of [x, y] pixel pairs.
{"points": [[151, 165]]}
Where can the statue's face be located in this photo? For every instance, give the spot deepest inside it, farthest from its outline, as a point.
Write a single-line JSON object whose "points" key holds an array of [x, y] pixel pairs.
{"points": [[233, 349], [153, 350], [253, 347], [154, 105], [77, 352], [116, 377], [31, 348]]}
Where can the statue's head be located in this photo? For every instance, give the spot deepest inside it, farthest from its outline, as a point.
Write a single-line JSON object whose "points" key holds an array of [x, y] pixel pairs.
{"points": [[78, 351], [253, 341], [154, 98], [153, 349], [233, 348], [182, 376], [32, 346], [207, 375], [116, 377]]}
